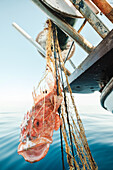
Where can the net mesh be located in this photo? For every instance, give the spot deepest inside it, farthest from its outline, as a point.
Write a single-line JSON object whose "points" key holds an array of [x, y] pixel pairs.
{"points": [[75, 145]]}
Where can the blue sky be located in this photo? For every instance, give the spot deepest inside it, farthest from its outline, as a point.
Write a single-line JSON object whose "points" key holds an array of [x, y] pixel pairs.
{"points": [[21, 66]]}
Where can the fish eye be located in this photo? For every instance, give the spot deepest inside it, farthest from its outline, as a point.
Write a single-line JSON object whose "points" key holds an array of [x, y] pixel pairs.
{"points": [[37, 123], [45, 91]]}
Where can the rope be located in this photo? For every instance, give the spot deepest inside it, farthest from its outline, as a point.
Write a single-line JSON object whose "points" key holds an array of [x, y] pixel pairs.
{"points": [[75, 138], [59, 109], [69, 52], [66, 109], [79, 121]]}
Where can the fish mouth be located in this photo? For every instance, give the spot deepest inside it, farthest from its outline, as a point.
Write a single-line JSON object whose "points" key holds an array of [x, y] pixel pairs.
{"points": [[35, 150]]}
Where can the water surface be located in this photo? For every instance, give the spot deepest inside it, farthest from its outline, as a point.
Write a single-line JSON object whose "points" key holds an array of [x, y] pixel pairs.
{"points": [[99, 132]]}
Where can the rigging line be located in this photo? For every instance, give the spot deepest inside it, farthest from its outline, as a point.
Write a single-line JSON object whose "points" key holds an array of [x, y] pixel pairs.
{"points": [[82, 26], [72, 64], [67, 143], [59, 109], [79, 121], [69, 52], [66, 109], [73, 44], [65, 129]]}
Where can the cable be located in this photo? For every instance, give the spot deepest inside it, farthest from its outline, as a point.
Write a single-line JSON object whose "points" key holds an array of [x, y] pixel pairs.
{"points": [[54, 37], [59, 109], [66, 110]]}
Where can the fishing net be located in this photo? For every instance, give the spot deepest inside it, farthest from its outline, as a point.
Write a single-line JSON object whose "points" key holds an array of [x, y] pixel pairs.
{"points": [[72, 131], [51, 97]]}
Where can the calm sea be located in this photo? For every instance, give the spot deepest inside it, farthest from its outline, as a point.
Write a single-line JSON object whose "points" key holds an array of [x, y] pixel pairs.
{"points": [[99, 132]]}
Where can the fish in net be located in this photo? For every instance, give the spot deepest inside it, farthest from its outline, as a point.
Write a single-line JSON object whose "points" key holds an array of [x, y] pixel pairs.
{"points": [[54, 108]]}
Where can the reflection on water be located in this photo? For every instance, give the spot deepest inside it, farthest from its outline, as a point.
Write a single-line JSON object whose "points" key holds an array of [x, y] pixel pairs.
{"points": [[99, 132]]}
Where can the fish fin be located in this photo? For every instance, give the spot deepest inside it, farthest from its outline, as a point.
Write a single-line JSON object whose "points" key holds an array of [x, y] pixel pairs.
{"points": [[57, 122]]}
